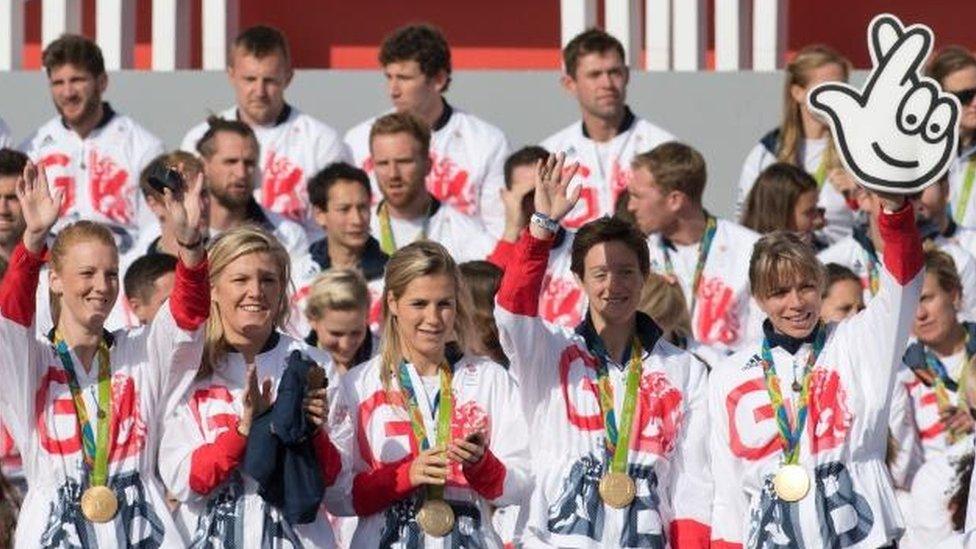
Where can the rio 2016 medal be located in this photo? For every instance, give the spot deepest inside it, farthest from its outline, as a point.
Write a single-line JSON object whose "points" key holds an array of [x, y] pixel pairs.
{"points": [[99, 504], [791, 483], [436, 518], [617, 490]]}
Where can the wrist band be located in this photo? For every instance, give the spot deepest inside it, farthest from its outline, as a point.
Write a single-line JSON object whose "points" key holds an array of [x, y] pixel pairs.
{"points": [[190, 245], [545, 222]]}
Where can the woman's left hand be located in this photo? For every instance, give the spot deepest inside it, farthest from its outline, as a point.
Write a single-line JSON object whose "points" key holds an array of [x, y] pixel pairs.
{"points": [[316, 407], [467, 451]]}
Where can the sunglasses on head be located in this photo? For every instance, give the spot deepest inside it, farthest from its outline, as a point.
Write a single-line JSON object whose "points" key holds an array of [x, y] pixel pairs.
{"points": [[965, 96]]}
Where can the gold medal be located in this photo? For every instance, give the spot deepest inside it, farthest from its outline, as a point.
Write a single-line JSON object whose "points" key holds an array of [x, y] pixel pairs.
{"points": [[436, 518], [791, 483], [99, 504], [617, 490]]}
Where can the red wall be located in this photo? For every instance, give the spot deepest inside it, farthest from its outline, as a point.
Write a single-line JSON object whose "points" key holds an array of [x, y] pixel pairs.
{"points": [[506, 33]]}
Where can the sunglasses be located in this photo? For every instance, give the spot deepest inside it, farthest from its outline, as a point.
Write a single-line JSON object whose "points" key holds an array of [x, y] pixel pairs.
{"points": [[965, 96]]}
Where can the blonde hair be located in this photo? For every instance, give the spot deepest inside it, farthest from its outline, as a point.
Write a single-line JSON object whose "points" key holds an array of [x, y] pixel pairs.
{"points": [[419, 259], [779, 259], [336, 290], [69, 237], [798, 74], [229, 246], [402, 122], [941, 265], [665, 303]]}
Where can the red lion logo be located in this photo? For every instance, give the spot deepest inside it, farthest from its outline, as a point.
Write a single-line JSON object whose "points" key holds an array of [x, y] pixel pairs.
{"points": [[282, 187], [829, 417], [560, 301], [107, 185], [660, 415], [449, 183], [716, 317]]}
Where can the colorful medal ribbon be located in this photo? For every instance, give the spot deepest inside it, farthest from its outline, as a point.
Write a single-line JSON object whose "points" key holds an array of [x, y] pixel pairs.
{"points": [[967, 190], [618, 440], [387, 240], [444, 409], [874, 272], [821, 174], [95, 446], [711, 224], [943, 384], [791, 429]]}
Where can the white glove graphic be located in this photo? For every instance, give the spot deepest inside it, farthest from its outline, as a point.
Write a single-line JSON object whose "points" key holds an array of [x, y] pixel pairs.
{"points": [[899, 133]]}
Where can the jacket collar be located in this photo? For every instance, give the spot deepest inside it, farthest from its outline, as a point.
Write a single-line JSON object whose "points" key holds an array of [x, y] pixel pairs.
{"points": [[107, 114], [372, 262], [788, 343], [255, 214], [107, 335], [444, 118], [648, 332], [282, 116], [625, 124], [363, 354]]}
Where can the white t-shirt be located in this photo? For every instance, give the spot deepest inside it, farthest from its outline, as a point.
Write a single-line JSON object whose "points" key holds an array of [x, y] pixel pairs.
{"points": [[467, 164], [293, 149]]}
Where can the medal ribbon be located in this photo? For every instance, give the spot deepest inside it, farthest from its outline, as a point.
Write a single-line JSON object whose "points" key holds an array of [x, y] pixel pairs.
{"points": [[791, 431], [874, 273], [95, 446], [711, 225], [967, 189], [387, 240], [444, 409], [618, 441], [943, 384], [821, 174]]}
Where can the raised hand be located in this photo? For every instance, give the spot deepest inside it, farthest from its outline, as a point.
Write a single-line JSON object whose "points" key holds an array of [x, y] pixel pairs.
{"points": [[39, 207], [185, 212], [899, 133], [552, 196], [255, 399]]}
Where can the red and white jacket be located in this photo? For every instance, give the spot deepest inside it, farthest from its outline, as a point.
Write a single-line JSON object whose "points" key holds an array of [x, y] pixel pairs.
{"points": [[151, 366], [201, 450], [99, 175], [668, 454], [562, 301], [605, 170], [467, 164], [380, 446], [851, 500], [725, 315], [465, 237], [10, 460], [293, 149]]}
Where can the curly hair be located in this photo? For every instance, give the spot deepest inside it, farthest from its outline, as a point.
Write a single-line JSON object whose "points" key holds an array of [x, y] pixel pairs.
{"points": [[423, 43]]}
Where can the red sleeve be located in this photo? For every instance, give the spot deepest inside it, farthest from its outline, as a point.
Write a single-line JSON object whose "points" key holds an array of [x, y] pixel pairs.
{"points": [[487, 477], [722, 544], [329, 460], [851, 202], [211, 463], [903, 256], [190, 301], [373, 491], [689, 533], [18, 291], [522, 281], [502, 254]]}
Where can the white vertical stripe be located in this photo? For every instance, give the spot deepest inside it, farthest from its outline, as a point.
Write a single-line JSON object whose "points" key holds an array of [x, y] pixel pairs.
{"points": [[170, 34], [220, 19], [11, 34], [657, 34], [768, 34], [689, 34], [733, 35], [59, 17], [115, 27], [575, 16], [623, 21]]}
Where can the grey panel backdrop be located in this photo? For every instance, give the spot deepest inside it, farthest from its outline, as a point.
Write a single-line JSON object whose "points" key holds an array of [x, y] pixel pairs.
{"points": [[721, 114]]}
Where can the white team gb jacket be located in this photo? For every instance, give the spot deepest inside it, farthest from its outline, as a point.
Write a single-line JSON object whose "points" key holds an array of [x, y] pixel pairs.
{"points": [[381, 446], [851, 502], [464, 237], [467, 164], [605, 170], [668, 455], [148, 365], [99, 175]]}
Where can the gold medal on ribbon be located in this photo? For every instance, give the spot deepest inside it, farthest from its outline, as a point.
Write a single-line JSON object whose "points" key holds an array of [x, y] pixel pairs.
{"points": [[617, 490], [436, 518], [99, 504], [791, 482]]}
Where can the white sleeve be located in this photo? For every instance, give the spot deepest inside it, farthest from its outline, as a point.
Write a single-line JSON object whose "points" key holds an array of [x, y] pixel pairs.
{"points": [[181, 436], [343, 418], [757, 160], [490, 204], [691, 476], [510, 441], [729, 501], [905, 450], [189, 143], [330, 148], [5, 140]]}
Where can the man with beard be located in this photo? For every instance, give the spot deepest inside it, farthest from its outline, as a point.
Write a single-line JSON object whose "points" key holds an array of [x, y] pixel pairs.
{"points": [[90, 152], [609, 135], [400, 148], [229, 150], [294, 145], [11, 221]]}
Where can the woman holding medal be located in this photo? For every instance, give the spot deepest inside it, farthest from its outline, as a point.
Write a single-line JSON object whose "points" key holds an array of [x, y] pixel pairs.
{"points": [[800, 419], [205, 438], [437, 435], [83, 404], [619, 424]]}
